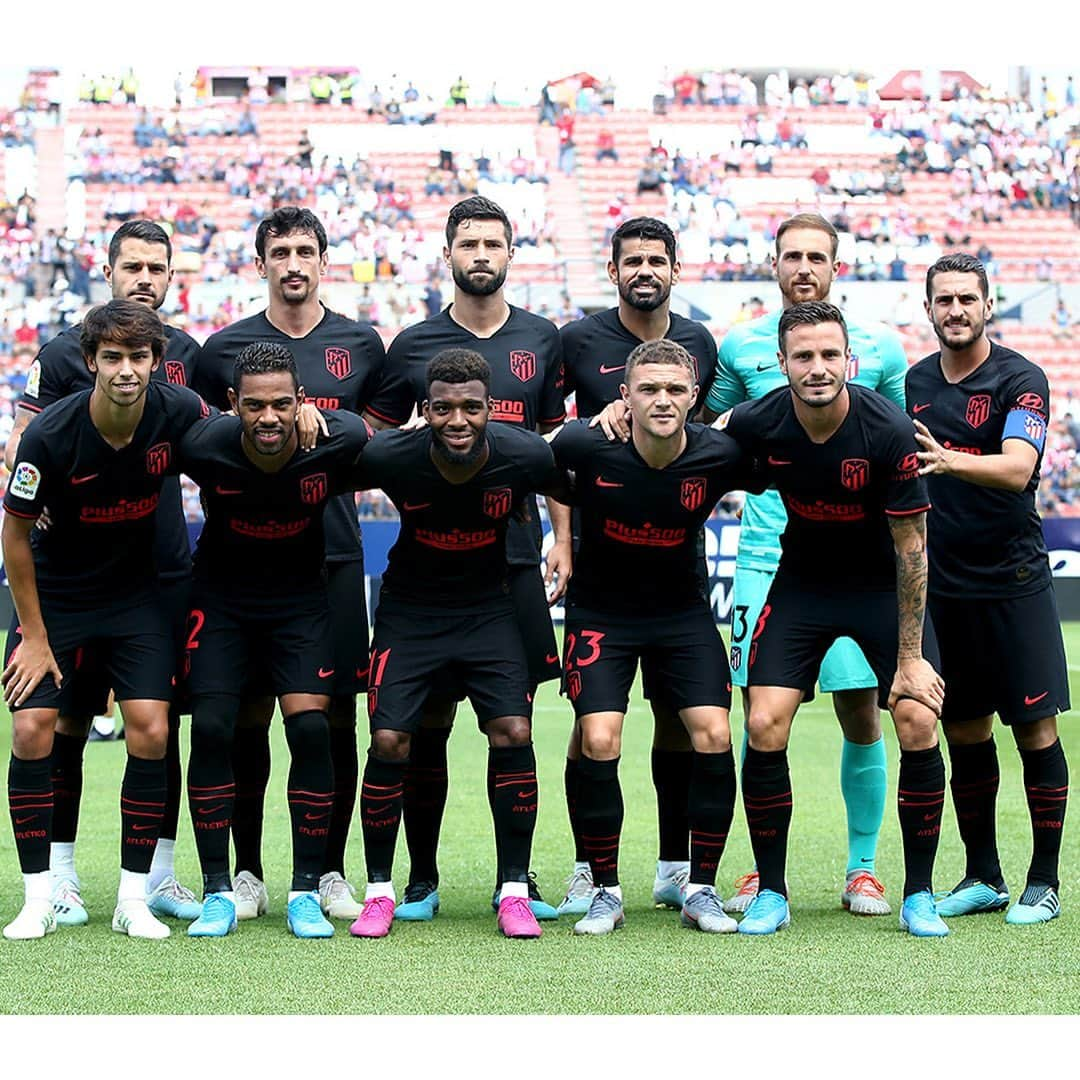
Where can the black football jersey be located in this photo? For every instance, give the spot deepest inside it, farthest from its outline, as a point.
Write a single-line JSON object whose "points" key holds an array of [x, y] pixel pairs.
{"points": [[595, 350], [451, 545], [264, 531], [340, 363], [59, 370], [103, 502], [525, 357], [639, 525], [838, 494], [984, 541]]}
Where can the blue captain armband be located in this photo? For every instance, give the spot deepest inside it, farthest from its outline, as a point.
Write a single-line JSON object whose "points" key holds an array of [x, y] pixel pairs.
{"points": [[1027, 425]]}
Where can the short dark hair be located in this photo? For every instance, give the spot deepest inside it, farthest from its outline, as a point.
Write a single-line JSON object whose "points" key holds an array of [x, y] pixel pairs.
{"points": [[286, 220], [124, 322], [809, 221], [458, 366], [480, 209], [149, 232], [958, 262], [812, 313], [261, 357], [660, 351], [642, 228]]}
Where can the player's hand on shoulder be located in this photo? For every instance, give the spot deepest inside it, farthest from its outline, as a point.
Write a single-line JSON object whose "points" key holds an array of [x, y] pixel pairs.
{"points": [[916, 678], [415, 423], [31, 661], [310, 423], [614, 421], [934, 459]]}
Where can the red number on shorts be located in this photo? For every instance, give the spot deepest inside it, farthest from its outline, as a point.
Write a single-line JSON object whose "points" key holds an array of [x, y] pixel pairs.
{"points": [[378, 666], [196, 618], [568, 651], [592, 639]]}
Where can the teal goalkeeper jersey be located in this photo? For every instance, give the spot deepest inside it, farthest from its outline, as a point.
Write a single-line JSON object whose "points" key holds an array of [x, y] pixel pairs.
{"points": [[748, 369]]}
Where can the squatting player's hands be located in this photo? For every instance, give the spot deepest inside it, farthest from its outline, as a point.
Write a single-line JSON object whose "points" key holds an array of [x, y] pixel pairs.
{"points": [[615, 421], [310, 423], [44, 522], [29, 664], [917, 679], [933, 457], [415, 423], [559, 568]]}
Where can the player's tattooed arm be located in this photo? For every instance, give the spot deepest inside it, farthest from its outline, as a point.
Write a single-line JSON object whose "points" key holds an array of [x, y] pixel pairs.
{"points": [[32, 659], [915, 676]]}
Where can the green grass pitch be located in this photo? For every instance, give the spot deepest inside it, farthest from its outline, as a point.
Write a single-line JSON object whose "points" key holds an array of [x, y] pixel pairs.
{"points": [[827, 962]]}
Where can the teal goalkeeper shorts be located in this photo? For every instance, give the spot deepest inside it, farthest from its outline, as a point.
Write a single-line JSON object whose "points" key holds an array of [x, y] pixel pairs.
{"points": [[844, 666]]}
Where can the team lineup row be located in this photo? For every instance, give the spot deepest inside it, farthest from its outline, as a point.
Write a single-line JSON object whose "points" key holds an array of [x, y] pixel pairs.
{"points": [[463, 607]]}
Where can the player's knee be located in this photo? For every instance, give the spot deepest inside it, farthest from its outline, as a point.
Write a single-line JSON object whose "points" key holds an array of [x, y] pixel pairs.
{"points": [[307, 733], [713, 741], [388, 745], [509, 731], [858, 714], [601, 744], [767, 730], [31, 733], [213, 722], [1037, 735], [916, 725]]}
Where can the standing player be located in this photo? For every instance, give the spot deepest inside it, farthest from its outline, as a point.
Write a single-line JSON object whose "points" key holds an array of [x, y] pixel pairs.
{"points": [[97, 460], [525, 358], [260, 592], [446, 612], [636, 594], [340, 364], [805, 266], [981, 412], [643, 268], [139, 269], [853, 563]]}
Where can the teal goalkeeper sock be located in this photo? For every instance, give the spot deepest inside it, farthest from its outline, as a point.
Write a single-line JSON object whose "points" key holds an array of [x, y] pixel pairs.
{"points": [[863, 783]]}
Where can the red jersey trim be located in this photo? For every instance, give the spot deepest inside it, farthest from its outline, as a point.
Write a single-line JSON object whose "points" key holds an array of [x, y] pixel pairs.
{"points": [[20, 514], [27, 405], [383, 416], [907, 513]]}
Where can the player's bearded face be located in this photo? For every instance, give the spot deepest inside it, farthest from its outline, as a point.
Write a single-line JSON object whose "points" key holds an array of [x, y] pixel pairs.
{"points": [[816, 363], [141, 273], [644, 274], [958, 310], [480, 257], [457, 414], [267, 406], [805, 267], [292, 267]]}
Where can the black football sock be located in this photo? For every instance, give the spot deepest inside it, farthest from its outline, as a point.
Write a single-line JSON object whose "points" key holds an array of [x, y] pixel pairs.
{"points": [[671, 771], [767, 801], [570, 786], [142, 806], [173, 779], [343, 754], [974, 783], [251, 769], [920, 800], [30, 800], [600, 815], [712, 806], [66, 766], [381, 793], [310, 795], [1046, 783], [426, 786], [514, 802], [210, 785]]}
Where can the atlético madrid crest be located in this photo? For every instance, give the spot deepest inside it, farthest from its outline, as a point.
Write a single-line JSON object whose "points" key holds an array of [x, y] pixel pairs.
{"points": [[158, 458], [497, 502], [523, 364], [338, 362], [313, 488], [978, 409], [174, 372], [854, 473], [692, 492]]}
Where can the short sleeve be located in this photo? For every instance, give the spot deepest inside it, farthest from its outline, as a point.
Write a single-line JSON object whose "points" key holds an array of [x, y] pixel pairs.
{"points": [[31, 477], [906, 492], [571, 445], [48, 379], [1028, 408], [552, 396], [395, 398]]}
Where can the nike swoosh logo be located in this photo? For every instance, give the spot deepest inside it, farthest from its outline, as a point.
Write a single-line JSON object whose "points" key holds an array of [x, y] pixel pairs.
{"points": [[85, 479], [551, 659], [143, 828], [929, 817], [228, 491], [757, 820], [526, 794], [777, 461], [1035, 700], [605, 370], [316, 817], [765, 367], [211, 809], [24, 820], [415, 506], [601, 482], [324, 674], [361, 673], [919, 408]]}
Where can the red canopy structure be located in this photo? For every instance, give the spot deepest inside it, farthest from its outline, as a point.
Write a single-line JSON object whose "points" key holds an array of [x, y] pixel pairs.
{"points": [[908, 84]]}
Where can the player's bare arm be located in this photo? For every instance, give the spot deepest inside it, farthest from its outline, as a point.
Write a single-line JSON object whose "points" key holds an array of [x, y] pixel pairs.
{"points": [[23, 416], [614, 421], [310, 424], [33, 659], [1011, 469], [915, 677]]}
